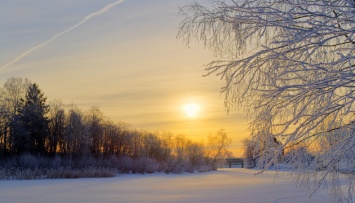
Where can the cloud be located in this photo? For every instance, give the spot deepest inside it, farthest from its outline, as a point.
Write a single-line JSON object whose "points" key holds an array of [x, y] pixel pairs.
{"points": [[54, 37]]}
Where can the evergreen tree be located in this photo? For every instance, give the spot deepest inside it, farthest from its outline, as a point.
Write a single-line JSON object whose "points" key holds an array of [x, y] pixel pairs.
{"points": [[19, 135], [31, 124]]}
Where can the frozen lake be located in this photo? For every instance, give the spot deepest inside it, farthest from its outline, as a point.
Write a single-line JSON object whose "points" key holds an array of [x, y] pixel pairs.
{"points": [[225, 185]]}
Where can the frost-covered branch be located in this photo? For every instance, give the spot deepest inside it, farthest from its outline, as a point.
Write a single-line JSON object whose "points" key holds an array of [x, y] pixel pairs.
{"points": [[288, 63]]}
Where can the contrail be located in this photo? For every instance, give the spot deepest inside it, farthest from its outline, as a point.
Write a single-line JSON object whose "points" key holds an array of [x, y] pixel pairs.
{"points": [[54, 37]]}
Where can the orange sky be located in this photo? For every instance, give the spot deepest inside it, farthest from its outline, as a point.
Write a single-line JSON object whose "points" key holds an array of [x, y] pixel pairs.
{"points": [[127, 61]]}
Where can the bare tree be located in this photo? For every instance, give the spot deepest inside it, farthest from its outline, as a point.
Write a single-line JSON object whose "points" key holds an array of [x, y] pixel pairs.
{"points": [[56, 127], [218, 147], [76, 138], [290, 64], [95, 119], [11, 94]]}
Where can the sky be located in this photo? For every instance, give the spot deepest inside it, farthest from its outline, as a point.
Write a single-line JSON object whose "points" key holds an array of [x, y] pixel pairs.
{"points": [[120, 56]]}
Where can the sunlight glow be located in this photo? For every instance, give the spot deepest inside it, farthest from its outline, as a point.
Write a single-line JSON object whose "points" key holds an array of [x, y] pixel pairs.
{"points": [[191, 110]]}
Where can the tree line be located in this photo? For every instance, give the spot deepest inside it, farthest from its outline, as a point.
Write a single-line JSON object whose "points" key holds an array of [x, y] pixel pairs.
{"points": [[32, 127]]}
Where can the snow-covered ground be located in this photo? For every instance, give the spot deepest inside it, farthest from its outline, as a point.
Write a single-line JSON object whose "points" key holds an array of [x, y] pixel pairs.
{"points": [[225, 185]]}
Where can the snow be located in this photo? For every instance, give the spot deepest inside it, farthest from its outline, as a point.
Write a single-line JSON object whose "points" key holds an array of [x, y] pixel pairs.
{"points": [[225, 185]]}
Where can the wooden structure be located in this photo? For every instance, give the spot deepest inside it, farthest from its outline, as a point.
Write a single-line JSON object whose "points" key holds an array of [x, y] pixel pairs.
{"points": [[235, 161]]}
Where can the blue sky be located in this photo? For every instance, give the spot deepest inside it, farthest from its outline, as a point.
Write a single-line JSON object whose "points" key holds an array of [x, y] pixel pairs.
{"points": [[127, 61]]}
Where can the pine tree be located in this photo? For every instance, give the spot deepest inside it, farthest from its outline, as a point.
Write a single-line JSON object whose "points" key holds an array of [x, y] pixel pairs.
{"points": [[31, 123]]}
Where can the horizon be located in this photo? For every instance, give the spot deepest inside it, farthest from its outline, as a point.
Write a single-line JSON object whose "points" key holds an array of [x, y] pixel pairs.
{"points": [[121, 56]]}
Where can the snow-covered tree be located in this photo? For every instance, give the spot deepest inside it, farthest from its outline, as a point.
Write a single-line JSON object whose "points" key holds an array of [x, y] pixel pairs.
{"points": [[291, 65], [218, 147], [249, 153], [11, 94]]}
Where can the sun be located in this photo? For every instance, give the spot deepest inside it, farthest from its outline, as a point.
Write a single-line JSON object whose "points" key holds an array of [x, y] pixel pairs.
{"points": [[191, 110]]}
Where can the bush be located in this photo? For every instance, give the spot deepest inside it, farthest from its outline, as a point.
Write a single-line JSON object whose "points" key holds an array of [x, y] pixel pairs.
{"points": [[27, 166], [30, 174], [90, 172], [145, 165], [125, 164]]}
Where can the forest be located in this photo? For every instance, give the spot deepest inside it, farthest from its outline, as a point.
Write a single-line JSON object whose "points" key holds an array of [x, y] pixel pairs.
{"points": [[40, 139]]}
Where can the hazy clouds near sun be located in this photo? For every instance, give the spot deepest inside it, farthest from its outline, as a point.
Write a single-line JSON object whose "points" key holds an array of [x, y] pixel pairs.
{"points": [[126, 61]]}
